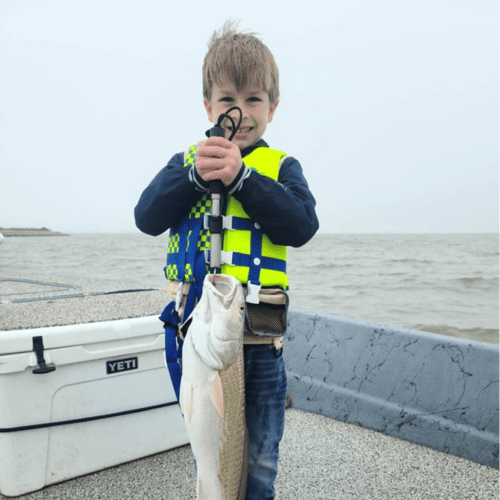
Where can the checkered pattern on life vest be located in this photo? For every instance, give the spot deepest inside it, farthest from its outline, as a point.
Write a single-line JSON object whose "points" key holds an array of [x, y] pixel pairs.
{"points": [[188, 273], [173, 243], [172, 272], [204, 240], [190, 156], [202, 207]]}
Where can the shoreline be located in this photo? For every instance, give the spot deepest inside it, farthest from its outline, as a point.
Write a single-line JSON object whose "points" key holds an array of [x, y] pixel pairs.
{"points": [[29, 231]]}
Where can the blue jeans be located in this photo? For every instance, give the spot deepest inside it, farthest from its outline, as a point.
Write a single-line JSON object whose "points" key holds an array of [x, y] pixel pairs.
{"points": [[265, 393]]}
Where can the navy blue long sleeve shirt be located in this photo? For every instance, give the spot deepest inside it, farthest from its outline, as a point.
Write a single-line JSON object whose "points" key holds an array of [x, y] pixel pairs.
{"points": [[284, 209]]}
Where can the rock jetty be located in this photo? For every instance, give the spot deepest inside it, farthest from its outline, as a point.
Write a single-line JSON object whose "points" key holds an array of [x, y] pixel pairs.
{"points": [[29, 231]]}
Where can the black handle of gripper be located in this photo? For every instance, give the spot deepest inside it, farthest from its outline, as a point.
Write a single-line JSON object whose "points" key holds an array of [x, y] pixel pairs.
{"points": [[216, 185], [216, 188]]}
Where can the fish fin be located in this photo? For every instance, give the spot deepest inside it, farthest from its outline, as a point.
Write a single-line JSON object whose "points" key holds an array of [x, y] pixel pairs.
{"points": [[244, 468], [216, 393], [201, 494], [186, 400]]}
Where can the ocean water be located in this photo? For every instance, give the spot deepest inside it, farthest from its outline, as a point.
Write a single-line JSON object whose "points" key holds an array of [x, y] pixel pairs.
{"points": [[439, 283]]}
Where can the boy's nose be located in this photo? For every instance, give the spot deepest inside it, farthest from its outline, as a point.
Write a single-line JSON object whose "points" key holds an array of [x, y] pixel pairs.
{"points": [[235, 115]]}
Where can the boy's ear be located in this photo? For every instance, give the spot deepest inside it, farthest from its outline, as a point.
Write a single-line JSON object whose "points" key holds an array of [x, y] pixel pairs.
{"points": [[272, 109], [208, 107]]}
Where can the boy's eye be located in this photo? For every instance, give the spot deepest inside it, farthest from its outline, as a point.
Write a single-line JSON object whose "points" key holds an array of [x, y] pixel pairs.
{"points": [[230, 99]]}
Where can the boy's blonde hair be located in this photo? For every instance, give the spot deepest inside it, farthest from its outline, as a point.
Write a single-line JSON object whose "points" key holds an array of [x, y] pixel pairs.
{"points": [[243, 59]]}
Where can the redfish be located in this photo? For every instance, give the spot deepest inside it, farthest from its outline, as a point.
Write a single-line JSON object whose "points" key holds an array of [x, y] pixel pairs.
{"points": [[212, 392]]}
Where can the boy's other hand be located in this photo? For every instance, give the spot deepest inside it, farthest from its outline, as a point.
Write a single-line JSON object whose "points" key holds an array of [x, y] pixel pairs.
{"points": [[218, 158]]}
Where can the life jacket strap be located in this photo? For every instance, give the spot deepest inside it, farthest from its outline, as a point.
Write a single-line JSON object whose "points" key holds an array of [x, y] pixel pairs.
{"points": [[173, 352], [240, 259], [178, 297]]}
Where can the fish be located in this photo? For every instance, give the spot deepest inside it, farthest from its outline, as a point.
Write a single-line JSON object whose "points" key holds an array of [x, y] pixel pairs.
{"points": [[212, 391]]}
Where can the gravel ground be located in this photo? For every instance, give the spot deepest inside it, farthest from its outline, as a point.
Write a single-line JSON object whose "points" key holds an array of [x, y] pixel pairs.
{"points": [[320, 459], [69, 300]]}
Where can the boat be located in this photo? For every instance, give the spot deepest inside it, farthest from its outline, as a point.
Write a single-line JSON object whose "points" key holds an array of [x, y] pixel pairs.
{"points": [[84, 388]]}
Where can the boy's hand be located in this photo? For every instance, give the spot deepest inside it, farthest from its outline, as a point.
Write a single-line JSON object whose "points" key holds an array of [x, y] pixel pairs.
{"points": [[218, 158]]}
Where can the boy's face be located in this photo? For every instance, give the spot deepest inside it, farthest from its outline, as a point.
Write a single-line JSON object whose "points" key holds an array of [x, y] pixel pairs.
{"points": [[255, 105]]}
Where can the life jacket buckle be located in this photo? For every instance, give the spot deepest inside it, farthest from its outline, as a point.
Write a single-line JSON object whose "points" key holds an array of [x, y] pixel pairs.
{"points": [[227, 257], [227, 221], [253, 290]]}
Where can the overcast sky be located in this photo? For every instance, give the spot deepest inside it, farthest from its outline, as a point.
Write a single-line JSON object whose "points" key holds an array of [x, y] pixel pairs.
{"points": [[390, 106]]}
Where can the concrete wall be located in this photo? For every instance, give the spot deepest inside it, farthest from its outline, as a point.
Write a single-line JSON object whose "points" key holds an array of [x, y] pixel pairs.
{"points": [[433, 390]]}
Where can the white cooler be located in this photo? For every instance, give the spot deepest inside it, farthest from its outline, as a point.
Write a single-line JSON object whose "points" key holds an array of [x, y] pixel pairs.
{"points": [[79, 398]]}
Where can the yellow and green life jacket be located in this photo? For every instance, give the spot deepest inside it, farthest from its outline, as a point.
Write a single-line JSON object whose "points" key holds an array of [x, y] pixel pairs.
{"points": [[247, 253]]}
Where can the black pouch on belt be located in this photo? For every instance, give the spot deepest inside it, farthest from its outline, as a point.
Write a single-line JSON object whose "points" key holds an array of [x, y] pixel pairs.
{"points": [[268, 317]]}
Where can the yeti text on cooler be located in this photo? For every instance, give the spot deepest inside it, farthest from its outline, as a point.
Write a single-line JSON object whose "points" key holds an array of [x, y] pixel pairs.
{"points": [[121, 365]]}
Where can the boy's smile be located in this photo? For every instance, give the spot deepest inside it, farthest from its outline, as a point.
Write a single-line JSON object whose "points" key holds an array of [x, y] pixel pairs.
{"points": [[253, 102]]}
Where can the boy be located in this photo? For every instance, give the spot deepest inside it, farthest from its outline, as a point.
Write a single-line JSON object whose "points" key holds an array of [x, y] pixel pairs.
{"points": [[261, 184]]}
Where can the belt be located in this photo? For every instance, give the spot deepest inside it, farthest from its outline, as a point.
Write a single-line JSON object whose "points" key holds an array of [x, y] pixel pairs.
{"points": [[248, 337]]}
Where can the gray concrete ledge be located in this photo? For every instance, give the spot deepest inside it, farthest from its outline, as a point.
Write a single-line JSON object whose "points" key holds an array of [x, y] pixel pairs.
{"points": [[429, 389], [29, 231]]}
